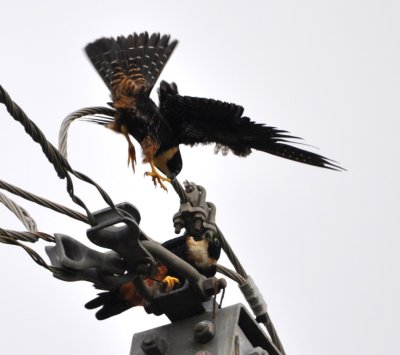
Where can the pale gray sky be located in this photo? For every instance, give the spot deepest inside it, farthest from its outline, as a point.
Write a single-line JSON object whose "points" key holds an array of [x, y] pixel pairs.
{"points": [[322, 246]]}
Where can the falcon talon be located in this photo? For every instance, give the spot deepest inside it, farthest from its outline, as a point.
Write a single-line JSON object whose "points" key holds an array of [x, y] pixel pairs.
{"points": [[157, 178], [170, 282]]}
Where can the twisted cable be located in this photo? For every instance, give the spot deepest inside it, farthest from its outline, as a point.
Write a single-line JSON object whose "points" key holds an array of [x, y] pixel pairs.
{"points": [[23, 215], [33, 254], [60, 164], [30, 237], [231, 274], [43, 202], [241, 278], [63, 134], [231, 255]]}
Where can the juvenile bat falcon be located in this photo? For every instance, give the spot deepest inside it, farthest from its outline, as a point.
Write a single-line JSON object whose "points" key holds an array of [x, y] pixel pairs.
{"points": [[130, 66], [200, 252]]}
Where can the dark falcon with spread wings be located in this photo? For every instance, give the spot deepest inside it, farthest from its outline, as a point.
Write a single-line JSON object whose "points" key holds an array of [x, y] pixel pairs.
{"points": [[130, 66]]}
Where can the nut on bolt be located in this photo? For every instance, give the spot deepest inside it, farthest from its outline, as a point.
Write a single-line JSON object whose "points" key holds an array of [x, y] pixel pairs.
{"points": [[153, 344], [213, 285], [204, 331]]}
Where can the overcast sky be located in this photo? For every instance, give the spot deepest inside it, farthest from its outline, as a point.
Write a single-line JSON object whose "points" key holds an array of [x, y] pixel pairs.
{"points": [[322, 246]]}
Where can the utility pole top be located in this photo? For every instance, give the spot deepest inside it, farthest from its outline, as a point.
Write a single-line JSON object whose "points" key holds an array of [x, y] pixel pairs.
{"points": [[232, 332]]}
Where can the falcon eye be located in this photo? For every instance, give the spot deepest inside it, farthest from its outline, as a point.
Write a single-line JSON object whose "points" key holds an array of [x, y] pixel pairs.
{"points": [[209, 235], [216, 242]]}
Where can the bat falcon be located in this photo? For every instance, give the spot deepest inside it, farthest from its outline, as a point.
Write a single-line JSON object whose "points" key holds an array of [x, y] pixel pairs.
{"points": [[200, 252], [126, 296], [130, 67]]}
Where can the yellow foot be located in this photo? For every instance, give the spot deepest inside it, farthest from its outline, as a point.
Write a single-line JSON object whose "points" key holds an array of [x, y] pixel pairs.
{"points": [[170, 282], [157, 178]]}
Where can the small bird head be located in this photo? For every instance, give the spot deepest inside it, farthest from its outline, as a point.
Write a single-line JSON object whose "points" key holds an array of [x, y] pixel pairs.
{"points": [[169, 161], [175, 164], [214, 245]]}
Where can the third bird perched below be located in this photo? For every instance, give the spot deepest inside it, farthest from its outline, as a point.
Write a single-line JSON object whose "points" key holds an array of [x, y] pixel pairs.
{"points": [[130, 66]]}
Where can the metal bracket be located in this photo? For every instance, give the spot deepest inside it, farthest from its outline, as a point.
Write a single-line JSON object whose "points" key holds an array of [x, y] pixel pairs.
{"points": [[132, 255], [233, 331], [195, 214], [125, 240]]}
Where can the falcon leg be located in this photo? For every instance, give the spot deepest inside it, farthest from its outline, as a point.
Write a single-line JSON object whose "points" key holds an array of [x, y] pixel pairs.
{"points": [[131, 147], [157, 178]]}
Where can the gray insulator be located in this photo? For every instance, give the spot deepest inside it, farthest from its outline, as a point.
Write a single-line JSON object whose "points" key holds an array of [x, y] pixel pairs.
{"points": [[254, 297], [71, 254]]}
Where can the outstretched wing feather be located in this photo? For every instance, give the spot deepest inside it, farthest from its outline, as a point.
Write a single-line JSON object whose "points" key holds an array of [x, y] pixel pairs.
{"points": [[199, 120]]}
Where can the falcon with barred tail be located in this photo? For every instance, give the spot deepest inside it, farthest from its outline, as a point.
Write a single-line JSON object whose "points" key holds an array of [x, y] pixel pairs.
{"points": [[130, 67]]}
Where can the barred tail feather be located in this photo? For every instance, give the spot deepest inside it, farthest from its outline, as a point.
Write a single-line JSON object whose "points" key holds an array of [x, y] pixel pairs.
{"points": [[136, 54], [103, 55]]}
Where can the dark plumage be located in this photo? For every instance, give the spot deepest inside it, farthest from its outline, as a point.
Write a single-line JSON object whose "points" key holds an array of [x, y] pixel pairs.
{"points": [[202, 253], [131, 65], [126, 296]]}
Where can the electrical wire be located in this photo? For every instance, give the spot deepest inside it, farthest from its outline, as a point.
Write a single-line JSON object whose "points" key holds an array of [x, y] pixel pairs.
{"points": [[61, 165], [63, 134]]}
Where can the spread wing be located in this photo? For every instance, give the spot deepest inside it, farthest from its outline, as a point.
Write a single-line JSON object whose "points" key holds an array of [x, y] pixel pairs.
{"points": [[130, 66], [198, 120]]}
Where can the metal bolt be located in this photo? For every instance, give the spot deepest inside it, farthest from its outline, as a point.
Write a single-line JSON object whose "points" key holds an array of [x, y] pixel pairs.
{"points": [[153, 344], [178, 227], [204, 331]]}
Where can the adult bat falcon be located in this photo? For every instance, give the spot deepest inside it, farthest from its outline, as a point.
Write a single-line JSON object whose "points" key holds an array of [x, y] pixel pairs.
{"points": [[201, 252], [130, 66]]}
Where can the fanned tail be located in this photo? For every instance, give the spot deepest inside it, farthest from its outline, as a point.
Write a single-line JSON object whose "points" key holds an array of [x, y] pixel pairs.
{"points": [[135, 55]]}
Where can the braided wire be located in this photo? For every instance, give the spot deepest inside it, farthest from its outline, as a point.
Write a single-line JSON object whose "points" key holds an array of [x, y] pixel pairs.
{"points": [[273, 334], [231, 274], [30, 237], [63, 138], [36, 134], [60, 164], [231, 255], [241, 278], [43, 202], [23, 215], [63, 134], [33, 254]]}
